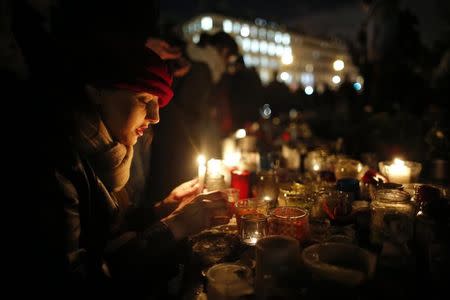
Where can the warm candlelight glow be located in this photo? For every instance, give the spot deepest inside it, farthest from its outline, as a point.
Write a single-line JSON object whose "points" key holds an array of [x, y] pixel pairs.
{"points": [[241, 133], [253, 241], [398, 172], [201, 160], [232, 159], [214, 168], [316, 167]]}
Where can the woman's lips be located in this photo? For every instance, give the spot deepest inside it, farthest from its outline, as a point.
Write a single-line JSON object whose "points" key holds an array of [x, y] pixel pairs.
{"points": [[140, 130]]}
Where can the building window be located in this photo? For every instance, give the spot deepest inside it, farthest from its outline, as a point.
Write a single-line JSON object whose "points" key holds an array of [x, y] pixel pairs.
{"points": [[236, 27], [255, 46], [227, 26], [245, 30], [286, 39], [279, 50], [271, 49], [262, 33], [206, 23], [246, 45], [264, 61], [263, 47], [278, 37]]}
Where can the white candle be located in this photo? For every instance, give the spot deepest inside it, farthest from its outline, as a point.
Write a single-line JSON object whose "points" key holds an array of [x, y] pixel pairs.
{"points": [[201, 160], [398, 172]]}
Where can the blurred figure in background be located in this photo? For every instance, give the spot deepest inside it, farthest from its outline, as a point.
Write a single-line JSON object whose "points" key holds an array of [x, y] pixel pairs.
{"points": [[191, 116]]}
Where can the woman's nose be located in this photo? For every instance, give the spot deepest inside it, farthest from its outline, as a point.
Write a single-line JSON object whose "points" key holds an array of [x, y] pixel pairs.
{"points": [[153, 112]]}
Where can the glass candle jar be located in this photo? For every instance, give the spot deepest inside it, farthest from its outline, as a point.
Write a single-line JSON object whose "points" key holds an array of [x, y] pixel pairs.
{"points": [[399, 171], [253, 228], [347, 168], [296, 194], [266, 187], [249, 206], [392, 215], [289, 221], [241, 180]]}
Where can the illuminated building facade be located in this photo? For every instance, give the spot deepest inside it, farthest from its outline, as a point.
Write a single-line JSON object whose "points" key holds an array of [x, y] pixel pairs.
{"points": [[299, 60]]}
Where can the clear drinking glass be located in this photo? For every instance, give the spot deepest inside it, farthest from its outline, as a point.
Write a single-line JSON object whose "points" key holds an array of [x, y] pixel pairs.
{"points": [[253, 228], [249, 206]]}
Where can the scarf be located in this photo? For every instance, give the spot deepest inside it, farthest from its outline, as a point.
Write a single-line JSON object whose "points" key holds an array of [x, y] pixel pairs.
{"points": [[110, 160]]}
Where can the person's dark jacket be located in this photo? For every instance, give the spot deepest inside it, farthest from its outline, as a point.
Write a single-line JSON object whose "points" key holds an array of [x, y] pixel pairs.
{"points": [[87, 236]]}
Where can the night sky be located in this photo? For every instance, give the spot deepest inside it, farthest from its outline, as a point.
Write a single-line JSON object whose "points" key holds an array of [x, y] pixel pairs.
{"points": [[326, 18]]}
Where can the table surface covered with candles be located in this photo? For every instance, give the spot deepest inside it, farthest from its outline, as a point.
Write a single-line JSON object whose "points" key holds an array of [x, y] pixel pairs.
{"points": [[357, 232], [414, 274]]}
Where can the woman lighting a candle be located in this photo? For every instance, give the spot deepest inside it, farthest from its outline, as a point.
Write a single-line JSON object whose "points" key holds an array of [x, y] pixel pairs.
{"points": [[87, 233]]}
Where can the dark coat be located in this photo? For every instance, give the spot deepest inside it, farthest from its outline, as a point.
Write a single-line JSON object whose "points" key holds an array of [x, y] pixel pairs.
{"points": [[87, 236]]}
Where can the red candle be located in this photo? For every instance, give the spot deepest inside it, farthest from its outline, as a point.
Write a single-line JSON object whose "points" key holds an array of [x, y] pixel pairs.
{"points": [[241, 181]]}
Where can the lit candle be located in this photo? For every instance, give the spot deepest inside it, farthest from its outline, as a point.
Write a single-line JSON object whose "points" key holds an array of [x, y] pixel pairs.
{"points": [[316, 167], [252, 240], [398, 172], [201, 160]]}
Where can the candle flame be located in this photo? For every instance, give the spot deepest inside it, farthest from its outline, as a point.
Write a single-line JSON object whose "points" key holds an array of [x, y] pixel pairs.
{"points": [[316, 167], [241, 133], [398, 162]]}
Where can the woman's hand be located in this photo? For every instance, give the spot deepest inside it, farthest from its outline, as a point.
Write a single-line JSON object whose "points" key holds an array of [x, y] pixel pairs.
{"points": [[185, 192], [202, 212]]}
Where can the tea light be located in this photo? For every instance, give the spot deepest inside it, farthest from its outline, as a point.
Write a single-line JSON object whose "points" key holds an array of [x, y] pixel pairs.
{"points": [[253, 228], [398, 172]]}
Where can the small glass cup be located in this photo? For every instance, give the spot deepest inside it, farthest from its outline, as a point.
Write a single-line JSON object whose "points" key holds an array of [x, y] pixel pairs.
{"points": [[289, 221], [233, 198], [347, 168], [249, 206], [253, 228], [331, 205], [266, 187], [400, 171], [296, 194]]}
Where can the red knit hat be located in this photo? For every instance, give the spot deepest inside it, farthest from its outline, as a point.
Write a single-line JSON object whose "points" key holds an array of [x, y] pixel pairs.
{"points": [[152, 75], [137, 69]]}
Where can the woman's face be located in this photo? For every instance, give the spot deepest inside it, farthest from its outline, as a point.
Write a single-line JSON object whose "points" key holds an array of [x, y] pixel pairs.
{"points": [[128, 114]]}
